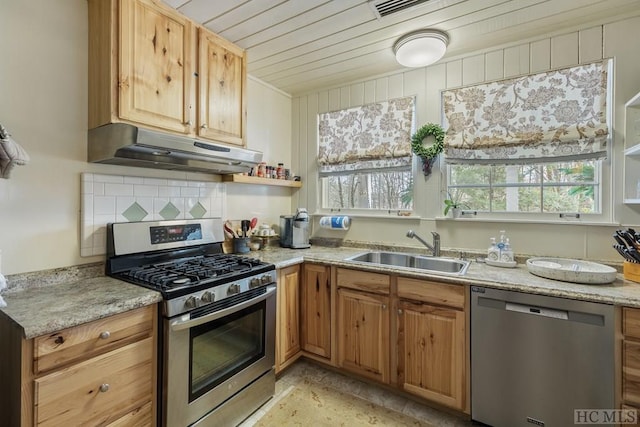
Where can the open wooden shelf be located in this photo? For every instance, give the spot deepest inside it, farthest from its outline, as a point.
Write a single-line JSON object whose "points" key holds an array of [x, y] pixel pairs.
{"points": [[246, 179]]}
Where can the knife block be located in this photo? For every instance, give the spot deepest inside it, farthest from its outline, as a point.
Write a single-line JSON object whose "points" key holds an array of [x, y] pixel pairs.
{"points": [[631, 271]]}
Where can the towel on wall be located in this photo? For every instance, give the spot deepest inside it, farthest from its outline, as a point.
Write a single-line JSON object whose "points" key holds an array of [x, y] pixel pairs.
{"points": [[11, 153]]}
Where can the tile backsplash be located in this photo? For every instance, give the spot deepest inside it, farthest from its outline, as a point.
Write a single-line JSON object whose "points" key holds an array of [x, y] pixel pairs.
{"points": [[117, 198]]}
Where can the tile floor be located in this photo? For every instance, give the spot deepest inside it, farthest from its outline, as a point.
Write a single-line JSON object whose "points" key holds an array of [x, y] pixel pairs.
{"points": [[306, 369]]}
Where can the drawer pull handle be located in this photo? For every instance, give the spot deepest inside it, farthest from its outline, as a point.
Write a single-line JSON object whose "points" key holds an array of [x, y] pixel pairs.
{"points": [[105, 335], [104, 388]]}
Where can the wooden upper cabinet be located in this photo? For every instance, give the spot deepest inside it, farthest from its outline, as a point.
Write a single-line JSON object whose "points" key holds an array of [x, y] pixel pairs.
{"points": [[155, 66], [151, 66], [222, 82]]}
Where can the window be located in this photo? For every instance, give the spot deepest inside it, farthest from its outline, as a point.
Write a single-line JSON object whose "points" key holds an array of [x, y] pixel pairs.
{"points": [[391, 190], [364, 156], [530, 144], [563, 187]]}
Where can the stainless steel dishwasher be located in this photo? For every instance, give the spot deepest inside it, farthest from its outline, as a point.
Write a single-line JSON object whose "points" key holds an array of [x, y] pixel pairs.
{"points": [[534, 359]]}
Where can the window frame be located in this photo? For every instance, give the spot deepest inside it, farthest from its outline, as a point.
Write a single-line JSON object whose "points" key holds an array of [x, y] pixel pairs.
{"points": [[604, 180]]}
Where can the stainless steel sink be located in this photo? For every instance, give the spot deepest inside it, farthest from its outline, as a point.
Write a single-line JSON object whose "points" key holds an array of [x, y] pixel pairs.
{"points": [[423, 263]]}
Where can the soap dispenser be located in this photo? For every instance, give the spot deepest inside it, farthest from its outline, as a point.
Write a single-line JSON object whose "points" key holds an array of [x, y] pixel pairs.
{"points": [[493, 253], [507, 252]]}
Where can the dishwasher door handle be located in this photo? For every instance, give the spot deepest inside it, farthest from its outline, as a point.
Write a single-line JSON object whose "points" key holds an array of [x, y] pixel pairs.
{"points": [[537, 311]]}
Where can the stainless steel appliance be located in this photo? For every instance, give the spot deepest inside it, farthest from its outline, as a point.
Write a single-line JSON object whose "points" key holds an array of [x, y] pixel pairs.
{"points": [[217, 343], [129, 145], [535, 359], [294, 230]]}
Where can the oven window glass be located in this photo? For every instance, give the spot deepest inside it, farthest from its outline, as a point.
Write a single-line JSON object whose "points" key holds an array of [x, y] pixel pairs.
{"points": [[223, 347]]}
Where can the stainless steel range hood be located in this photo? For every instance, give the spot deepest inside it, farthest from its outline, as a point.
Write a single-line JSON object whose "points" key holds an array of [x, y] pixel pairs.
{"points": [[125, 144]]}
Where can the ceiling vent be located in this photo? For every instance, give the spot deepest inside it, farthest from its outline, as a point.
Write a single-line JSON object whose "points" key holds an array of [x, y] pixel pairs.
{"points": [[382, 8]]}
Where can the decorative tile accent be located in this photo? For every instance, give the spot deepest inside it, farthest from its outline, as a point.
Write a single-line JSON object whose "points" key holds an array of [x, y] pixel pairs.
{"points": [[135, 212], [115, 198], [169, 211], [198, 211]]}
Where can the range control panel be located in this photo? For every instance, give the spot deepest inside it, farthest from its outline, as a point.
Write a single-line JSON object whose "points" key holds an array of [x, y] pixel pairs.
{"points": [[175, 233]]}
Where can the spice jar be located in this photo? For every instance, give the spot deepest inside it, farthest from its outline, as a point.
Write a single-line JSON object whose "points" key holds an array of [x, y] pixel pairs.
{"points": [[280, 171], [262, 166]]}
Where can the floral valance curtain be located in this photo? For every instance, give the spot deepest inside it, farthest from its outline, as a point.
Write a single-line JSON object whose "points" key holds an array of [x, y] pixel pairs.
{"points": [[547, 117], [372, 136]]}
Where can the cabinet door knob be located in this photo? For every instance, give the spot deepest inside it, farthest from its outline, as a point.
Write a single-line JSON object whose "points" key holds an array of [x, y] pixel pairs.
{"points": [[399, 311], [104, 388], [384, 306], [204, 126], [105, 335], [188, 123]]}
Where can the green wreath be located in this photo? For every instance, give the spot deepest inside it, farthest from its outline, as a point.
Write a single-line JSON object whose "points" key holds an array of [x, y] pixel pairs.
{"points": [[432, 151]]}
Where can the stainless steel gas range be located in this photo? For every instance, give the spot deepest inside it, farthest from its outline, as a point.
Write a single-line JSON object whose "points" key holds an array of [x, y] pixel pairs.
{"points": [[216, 340]]}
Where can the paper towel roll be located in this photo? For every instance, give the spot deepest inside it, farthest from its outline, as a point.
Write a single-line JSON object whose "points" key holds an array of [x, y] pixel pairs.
{"points": [[341, 222]]}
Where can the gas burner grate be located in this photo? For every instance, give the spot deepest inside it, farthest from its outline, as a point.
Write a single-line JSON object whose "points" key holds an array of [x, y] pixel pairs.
{"points": [[191, 271]]}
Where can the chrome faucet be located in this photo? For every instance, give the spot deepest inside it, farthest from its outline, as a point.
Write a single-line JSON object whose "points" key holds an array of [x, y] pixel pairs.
{"points": [[435, 247]]}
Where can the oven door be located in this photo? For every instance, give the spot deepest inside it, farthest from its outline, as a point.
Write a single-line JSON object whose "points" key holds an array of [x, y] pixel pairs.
{"points": [[210, 358]]}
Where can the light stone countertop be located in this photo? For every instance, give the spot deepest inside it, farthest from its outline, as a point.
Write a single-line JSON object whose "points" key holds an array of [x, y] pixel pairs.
{"points": [[41, 307], [621, 292], [41, 310]]}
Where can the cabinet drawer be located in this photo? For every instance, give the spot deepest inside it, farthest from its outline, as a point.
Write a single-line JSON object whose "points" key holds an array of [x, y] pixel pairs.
{"points": [[363, 281], [631, 322], [83, 341], [96, 391], [431, 292], [140, 417]]}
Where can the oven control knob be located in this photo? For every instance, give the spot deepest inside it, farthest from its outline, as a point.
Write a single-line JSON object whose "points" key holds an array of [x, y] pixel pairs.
{"points": [[266, 278], [207, 297], [191, 302], [233, 289], [254, 283]]}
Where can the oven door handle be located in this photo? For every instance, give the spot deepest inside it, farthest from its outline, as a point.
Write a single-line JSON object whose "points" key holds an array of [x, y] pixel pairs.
{"points": [[178, 325]]}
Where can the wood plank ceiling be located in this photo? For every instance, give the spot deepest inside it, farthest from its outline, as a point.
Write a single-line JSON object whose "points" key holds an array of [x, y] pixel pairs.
{"points": [[302, 45]]}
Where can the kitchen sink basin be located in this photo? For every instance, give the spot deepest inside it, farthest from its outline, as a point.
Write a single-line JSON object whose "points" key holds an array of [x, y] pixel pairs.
{"points": [[428, 264]]}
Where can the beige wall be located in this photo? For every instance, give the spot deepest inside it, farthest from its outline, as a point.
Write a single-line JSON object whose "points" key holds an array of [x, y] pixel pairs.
{"points": [[43, 104], [583, 241]]}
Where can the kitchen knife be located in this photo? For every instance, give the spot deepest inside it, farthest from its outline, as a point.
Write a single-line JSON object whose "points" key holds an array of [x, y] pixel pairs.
{"points": [[622, 234], [634, 253], [631, 239], [620, 240], [622, 251]]}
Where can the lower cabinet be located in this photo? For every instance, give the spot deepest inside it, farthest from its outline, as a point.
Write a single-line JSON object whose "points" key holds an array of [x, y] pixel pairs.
{"points": [[363, 323], [405, 332], [431, 341], [288, 317], [98, 373], [631, 358], [316, 310], [363, 327]]}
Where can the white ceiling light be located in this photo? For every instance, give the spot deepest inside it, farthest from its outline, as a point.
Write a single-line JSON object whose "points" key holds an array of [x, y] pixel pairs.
{"points": [[420, 48]]}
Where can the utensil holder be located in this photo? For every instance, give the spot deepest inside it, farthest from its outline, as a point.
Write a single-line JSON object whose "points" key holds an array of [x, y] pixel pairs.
{"points": [[631, 271], [241, 245]]}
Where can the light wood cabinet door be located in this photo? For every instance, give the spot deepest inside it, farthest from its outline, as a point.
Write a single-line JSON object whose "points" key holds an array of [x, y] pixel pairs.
{"points": [[316, 310], [222, 82], [288, 316], [363, 333], [631, 357], [431, 352], [156, 70], [99, 390]]}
